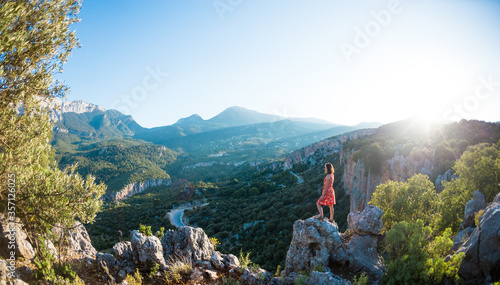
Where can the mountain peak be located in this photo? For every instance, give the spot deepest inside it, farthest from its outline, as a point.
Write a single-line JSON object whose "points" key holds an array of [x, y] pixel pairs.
{"points": [[191, 120], [239, 116]]}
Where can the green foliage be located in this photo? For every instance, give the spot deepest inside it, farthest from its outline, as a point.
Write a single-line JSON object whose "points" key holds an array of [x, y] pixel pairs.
{"points": [[301, 280], [407, 201], [244, 259], [154, 270], [119, 162], [48, 270], [135, 279], [318, 268], [278, 271], [416, 257], [44, 262], [35, 41], [145, 230], [361, 279], [178, 271], [215, 242], [161, 232], [477, 169], [477, 216], [373, 156]]}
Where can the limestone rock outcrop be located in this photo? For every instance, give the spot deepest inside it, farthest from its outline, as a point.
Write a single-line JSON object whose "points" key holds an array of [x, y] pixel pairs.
{"points": [[313, 243], [189, 242], [475, 205], [481, 263], [15, 234], [134, 188], [325, 278], [320, 150], [361, 184], [369, 221], [318, 243], [149, 249]]}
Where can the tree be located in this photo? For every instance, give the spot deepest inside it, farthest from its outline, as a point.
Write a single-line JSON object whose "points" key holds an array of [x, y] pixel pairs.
{"points": [[35, 41], [477, 169], [407, 201]]}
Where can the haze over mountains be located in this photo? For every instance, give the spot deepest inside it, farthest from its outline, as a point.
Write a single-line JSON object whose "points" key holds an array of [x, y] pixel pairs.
{"points": [[90, 122]]}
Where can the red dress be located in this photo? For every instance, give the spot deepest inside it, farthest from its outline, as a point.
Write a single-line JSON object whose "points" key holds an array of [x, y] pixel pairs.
{"points": [[329, 193]]}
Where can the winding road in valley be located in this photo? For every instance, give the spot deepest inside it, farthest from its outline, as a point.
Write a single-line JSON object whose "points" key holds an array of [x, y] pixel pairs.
{"points": [[175, 215], [298, 178]]}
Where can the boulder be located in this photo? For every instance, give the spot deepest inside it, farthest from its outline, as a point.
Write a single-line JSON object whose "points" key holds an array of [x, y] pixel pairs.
{"points": [[124, 251], [312, 244], [471, 208], [217, 260], [461, 237], [77, 240], [231, 261], [258, 277], [369, 221], [187, 242], [109, 265], [13, 231], [482, 250], [363, 256], [126, 256], [149, 249], [325, 278]]}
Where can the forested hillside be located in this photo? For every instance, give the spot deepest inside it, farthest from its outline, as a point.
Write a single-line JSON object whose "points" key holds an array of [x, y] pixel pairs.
{"points": [[119, 162]]}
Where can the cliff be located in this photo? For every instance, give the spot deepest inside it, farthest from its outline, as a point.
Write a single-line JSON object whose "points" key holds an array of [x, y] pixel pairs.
{"points": [[134, 188], [317, 151], [361, 183], [58, 107]]}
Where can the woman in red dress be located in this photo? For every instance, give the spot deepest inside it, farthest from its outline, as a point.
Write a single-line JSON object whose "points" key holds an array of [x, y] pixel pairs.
{"points": [[328, 195]]}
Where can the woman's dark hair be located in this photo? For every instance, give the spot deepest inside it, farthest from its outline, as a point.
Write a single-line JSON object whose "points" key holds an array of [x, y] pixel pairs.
{"points": [[329, 168]]}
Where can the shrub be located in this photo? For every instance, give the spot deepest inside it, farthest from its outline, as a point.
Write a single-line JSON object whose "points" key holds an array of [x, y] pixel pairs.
{"points": [[145, 230], [361, 279]]}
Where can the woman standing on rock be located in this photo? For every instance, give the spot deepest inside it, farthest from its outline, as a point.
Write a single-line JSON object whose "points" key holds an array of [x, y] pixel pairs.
{"points": [[328, 195]]}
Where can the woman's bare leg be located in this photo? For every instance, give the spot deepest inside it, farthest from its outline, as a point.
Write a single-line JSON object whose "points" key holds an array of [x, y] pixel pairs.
{"points": [[320, 209], [331, 212]]}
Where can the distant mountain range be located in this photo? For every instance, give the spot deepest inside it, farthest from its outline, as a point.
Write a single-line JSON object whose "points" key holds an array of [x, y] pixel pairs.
{"points": [[92, 121], [241, 134]]}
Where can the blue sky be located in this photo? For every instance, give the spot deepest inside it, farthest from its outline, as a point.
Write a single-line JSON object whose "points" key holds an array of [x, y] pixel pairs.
{"points": [[337, 60]]}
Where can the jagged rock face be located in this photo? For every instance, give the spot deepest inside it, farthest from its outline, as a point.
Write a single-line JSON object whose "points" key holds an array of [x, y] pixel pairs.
{"points": [[78, 240], [369, 221], [475, 205], [109, 263], [482, 250], [134, 188], [362, 255], [58, 107], [319, 243], [149, 249], [259, 277], [461, 237], [19, 239], [325, 278], [312, 244], [187, 242], [323, 148], [361, 184]]}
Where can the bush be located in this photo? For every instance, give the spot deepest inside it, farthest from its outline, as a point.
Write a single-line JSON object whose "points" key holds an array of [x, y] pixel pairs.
{"points": [[407, 201], [145, 230], [416, 257]]}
